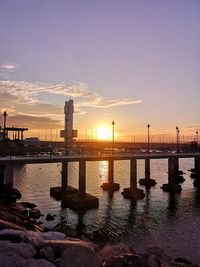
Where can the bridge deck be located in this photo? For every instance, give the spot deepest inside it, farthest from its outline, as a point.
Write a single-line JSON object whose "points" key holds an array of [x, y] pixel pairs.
{"points": [[73, 158]]}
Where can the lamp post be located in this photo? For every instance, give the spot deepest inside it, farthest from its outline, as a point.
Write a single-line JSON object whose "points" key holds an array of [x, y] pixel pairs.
{"points": [[148, 140], [177, 139], [113, 136], [4, 126], [197, 140]]}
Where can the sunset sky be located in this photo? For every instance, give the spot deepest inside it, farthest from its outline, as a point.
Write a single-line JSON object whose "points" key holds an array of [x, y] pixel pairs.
{"points": [[134, 62]]}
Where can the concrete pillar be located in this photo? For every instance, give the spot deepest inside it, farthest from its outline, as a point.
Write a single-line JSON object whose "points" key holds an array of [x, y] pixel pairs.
{"points": [[171, 170], [147, 169], [147, 181], [82, 178], [176, 166], [197, 164], [111, 171], [110, 185], [9, 175], [2, 169], [172, 185], [133, 192], [64, 174], [133, 174]]}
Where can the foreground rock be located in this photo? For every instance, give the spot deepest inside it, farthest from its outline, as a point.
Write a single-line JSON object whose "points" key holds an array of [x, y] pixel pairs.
{"points": [[33, 249], [24, 243]]}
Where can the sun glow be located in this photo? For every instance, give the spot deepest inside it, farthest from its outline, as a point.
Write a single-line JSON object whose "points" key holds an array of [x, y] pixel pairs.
{"points": [[103, 133]]}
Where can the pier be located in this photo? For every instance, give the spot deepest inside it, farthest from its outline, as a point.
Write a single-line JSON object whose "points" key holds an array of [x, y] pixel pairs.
{"points": [[79, 198]]}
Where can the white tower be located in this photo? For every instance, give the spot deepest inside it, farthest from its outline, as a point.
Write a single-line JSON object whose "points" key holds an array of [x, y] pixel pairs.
{"points": [[68, 133]]}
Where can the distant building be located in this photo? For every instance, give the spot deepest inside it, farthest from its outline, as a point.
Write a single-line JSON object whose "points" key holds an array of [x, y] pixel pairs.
{"points": [[68, 133]]}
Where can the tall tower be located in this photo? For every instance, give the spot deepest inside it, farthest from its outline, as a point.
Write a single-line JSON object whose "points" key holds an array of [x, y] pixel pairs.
{"points": [[68, 133]]}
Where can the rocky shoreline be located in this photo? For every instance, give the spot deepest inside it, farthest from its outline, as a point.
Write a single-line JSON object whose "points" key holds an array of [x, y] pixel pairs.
{"points": [[25, 243]]}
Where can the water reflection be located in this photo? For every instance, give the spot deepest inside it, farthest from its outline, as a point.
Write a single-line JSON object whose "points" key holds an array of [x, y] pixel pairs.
{"points": [[118, 218], [173, 203], [103, 170]]}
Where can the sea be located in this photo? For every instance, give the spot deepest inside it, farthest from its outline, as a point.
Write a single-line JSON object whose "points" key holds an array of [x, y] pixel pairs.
{"points": [[171, 221]]}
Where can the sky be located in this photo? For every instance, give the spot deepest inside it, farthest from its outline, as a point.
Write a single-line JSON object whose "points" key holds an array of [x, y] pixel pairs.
{"points": [[133, 62]]}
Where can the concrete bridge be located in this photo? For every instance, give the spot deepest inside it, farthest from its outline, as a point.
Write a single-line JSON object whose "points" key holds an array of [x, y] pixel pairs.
{"points": [[78, 198]]}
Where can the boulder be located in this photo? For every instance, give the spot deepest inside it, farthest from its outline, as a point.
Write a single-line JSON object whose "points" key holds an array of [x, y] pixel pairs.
{"points": [[79, 256], [16, 261], [163, 257], [52, 235], [60, 246], [28, 205], [49, 217], [8, 216], [65, 229], [35, 213], [7, 249], [19, 208], [9, 225], [109, 251]]}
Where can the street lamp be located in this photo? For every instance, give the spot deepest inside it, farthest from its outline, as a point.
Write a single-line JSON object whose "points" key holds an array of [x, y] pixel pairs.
{"points": [[113, 136], [148, 140], [197, 139], [177, 138], [4, 125]]}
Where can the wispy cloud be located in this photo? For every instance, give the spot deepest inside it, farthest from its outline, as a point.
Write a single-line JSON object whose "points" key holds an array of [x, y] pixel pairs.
{"points": [[6, 68], [24, 99], [29, 92]]}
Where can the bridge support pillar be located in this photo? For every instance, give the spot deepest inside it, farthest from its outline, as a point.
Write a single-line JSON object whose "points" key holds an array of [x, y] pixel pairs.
{"points": [[110, 185], [177, 173], [9, 176], [82, 178], [133, 192], [2, 170], [147, 180], [59, 192], [81, 200], [172, 185], [197, 164], [196, 172], [64, 174]]}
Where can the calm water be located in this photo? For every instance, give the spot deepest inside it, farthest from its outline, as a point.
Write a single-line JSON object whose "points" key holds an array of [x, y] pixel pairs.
{"points": [[160, 218]]}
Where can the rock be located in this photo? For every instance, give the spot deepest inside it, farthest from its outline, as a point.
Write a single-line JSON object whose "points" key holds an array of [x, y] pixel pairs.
{"points": [[9, 225], [28, 205], [19, 208], [12, 235], [29, 237], [8, 216], [79, 256], [153, 261], [35, 213], [164, 259], [33, 238], [52, 235], [23, 250], [49, 217], [61, 245], [47, 253], [116, 262], [16, 261], [182, 260], [109, 251], [134, 260], [65, 229]]}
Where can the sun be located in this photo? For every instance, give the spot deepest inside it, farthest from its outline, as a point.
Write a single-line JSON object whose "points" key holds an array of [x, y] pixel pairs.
{"points": [[103, 133]]}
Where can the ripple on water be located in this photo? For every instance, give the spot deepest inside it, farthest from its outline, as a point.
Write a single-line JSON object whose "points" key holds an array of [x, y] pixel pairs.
{"points": [[171, 221]]}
